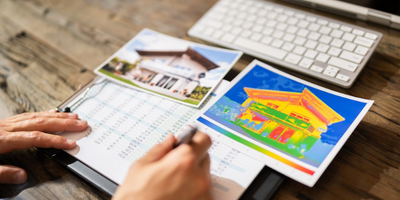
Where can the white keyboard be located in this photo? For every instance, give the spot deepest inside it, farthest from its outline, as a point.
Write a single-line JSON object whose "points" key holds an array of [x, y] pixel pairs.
{"points": [[317, 46]]}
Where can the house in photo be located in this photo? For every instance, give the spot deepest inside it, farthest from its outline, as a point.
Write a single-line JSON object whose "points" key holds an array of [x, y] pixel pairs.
{"points": [[291, 119], [173, 73]]}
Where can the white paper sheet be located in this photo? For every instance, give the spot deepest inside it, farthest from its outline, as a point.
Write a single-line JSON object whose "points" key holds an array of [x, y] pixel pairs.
{"points": [[125, 123]]}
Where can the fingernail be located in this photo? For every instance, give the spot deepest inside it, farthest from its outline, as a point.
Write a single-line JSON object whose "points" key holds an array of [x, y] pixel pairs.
{"points": [[70, 141], [72, 115], [52, 110], [82, 122], [19, 177]]}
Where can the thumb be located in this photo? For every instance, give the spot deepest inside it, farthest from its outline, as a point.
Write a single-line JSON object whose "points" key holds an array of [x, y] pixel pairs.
{"points": [[12, 175], [159, 150]]}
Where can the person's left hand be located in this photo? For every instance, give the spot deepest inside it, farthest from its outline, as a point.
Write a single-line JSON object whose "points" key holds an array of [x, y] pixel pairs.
{"points": [[32, 130]]}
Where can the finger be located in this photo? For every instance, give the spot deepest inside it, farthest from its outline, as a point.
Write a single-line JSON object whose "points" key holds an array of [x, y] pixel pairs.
{"points": [[206, 164], [24, 140], [200, 143], [47, 125], [12, 175], [159, 150], [46, 114]]}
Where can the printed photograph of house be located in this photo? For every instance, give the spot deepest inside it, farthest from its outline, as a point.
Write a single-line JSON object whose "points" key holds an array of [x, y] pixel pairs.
{"points": [[298, 120], [183, 71]]}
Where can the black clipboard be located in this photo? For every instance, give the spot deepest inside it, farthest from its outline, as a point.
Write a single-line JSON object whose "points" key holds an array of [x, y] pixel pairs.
{"points": [[263, 186]]}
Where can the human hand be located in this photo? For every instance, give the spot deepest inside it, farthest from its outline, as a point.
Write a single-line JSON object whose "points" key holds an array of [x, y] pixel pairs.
{"points": [[31, 130], [166, 173]]}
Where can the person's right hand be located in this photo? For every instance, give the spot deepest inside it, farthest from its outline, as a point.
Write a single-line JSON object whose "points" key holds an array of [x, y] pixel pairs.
{"points": [[170, 174]]}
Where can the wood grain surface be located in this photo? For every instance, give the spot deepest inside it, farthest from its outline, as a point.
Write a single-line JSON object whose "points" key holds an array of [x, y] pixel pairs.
{"points": [[49, 47]]}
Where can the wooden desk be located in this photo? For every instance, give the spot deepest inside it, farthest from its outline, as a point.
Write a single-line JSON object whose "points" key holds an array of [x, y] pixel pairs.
{"points": [[47, 48]]}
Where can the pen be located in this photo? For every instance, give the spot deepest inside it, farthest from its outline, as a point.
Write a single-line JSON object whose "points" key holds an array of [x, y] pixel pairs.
{"points": [[185, 137]]}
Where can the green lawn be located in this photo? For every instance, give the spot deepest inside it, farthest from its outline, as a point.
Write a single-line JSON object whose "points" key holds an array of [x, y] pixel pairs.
{"points": [[112, 75]]}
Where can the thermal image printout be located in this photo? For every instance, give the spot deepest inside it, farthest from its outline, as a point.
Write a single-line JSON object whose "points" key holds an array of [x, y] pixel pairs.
{"points": [[293, 126]]}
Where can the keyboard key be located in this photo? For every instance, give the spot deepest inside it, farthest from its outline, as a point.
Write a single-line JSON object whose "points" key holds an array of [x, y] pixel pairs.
{"points": [[246, 33], [361, 50], [228, 37], [251, 18], [325, 30], [331, 71], [325, 39], [212, 23], [215, 15], [288, 37], [278, 10], [322, 47], [257, 28], [277, 43], [238, 22], [358, 32], [299, 50], [227, 28], [278, 34], [338, 62], [310, 44], [208, 31], [349, 46], [247, 25], [256, 36], [348, 37], [260, 48], [314, 36], [299, 41], [272, 15], [268, 31], [342, 77], [303, 24], [346, 28], [333, 51], [236, 30], [289, 12], [266, 39], [371, 36], [271, 23], [292, 29], [322, 57], [303, 32], [322, 22], [317, 68], [281, 18], [241, 15], [262, 13], [300, 15], [351, 57], [337, 42], [281, 27], [334, 25], [217, 34], [336, 33], [363, 41], [306, 63], [292, 21], [198, 28], [311, 18], [288, 46], [261, 20], [314, 27], [311, 53], [293, 58]]}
